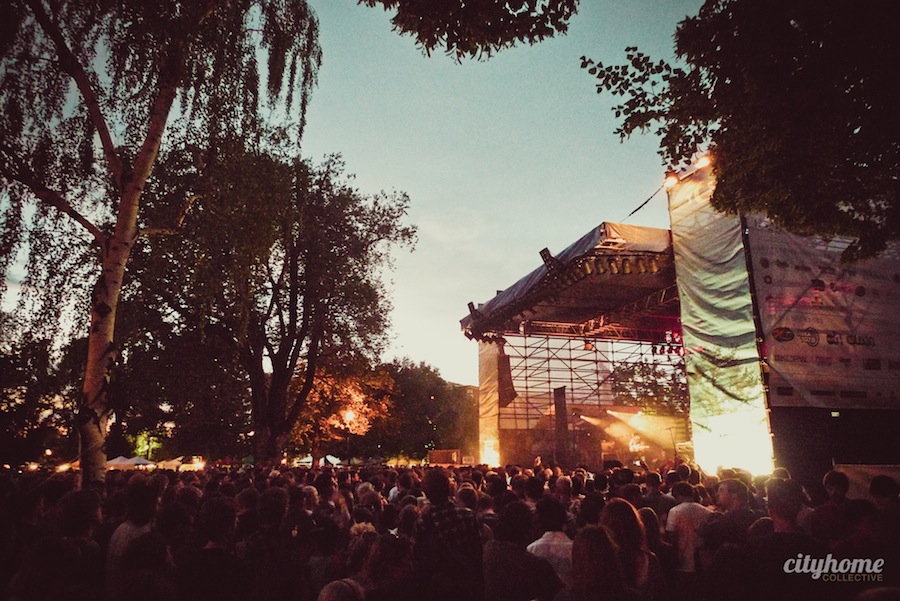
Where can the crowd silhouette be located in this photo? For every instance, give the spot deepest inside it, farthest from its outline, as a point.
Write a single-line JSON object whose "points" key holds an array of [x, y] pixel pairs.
{"points": [[446, 534]]}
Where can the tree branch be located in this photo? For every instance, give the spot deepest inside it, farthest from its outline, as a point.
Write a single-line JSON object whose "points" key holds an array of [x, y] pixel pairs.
{"points": [[56, 200], [173, 229], [68, 62]]}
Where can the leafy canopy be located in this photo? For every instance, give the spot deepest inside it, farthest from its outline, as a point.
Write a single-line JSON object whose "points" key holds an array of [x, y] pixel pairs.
{"points": [[795, 100], [477, 29], [87, 88]]}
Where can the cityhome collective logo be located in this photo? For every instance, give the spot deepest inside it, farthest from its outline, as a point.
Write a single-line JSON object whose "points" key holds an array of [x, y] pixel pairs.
{"points": [[830, 569]]}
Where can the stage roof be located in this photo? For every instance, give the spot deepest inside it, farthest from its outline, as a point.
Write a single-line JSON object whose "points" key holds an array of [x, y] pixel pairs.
{"points": [[615, 282]]}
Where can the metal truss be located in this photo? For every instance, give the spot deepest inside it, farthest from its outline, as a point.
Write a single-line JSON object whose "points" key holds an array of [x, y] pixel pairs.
{"points": [[583, 365]]}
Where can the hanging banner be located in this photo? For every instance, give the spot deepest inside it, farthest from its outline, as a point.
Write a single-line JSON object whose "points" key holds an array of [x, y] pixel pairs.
{"points": [[831, 329], [488, 403], [729, 420]]}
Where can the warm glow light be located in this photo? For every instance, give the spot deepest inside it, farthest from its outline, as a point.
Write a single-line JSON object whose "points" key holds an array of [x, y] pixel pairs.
{"points": [[735, 440], [349, 415], [490, 452], [32, 467], [63, 467], [48, 452], [670, 181], [702, 162]]}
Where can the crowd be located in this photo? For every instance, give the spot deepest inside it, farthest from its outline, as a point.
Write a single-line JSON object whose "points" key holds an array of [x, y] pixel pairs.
{"points": [[458, 534]]}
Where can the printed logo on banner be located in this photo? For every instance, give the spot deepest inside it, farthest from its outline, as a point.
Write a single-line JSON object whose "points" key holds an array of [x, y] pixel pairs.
{"points": [[809, 336], [783, 334]]}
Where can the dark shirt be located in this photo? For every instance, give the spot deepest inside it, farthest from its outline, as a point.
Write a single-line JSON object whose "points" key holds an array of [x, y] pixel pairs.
{"points": [[213, 575], [448, 552], [513, 574]]}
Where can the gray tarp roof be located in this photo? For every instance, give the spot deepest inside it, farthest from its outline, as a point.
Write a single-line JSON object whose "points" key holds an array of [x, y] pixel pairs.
{"points": [[616, 281]]}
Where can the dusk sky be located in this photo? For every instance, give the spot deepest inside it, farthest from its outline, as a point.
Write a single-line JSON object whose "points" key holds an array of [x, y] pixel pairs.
{"points": [[500, 158]]}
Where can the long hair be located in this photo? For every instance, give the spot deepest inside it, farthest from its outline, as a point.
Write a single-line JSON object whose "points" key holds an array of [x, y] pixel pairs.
{"points": [[627, 529], [596, 571]]}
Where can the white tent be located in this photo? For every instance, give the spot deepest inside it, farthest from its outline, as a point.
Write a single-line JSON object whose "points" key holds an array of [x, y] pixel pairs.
{"points": [[170, 464], [119, 463], [140, 463]]}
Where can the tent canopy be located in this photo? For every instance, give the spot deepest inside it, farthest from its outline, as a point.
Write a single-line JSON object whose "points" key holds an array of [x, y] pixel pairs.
{"points": [[617, 281]]}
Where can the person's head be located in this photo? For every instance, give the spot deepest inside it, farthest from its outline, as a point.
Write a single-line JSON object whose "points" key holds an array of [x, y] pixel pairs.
{"points": [[781, 473], [406, 522], [631, 493], [732, 494], [589, 510], [273, 503], [563, 487], [652, 481], [216, 520], [622, 520], [79, 514], [683, 492], [534, 488], [836, 484], [140, 501], [785, 499], [517, 484], [515, 524], [595, 564], [467, 497], [389, 562], [247, 500], [651, 527], [436, 485], [551, 514], [883, 490]]}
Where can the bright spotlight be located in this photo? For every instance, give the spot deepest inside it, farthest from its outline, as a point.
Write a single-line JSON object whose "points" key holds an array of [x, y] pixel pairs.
{"points": [[702, 162], [671, 180]]}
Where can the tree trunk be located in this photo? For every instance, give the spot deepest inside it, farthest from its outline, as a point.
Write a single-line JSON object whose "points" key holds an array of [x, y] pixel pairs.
{"points": [[94, 408]]}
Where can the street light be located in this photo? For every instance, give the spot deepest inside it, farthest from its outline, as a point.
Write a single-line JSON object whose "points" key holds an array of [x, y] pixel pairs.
{"points": [[349, 417]]}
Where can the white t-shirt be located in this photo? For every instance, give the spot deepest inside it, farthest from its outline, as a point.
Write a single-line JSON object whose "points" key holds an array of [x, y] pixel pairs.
{"points": [[683, 521]]}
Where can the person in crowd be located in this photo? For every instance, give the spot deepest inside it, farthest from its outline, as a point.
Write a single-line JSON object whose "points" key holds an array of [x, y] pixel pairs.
{"points": [[511, 573], [596, 570], [554, 545], [640, 566], [681, 529], [664, 550], [213, 572], [141, 500], [828, 522], [654, 498], [731, 523], [448, 548]]}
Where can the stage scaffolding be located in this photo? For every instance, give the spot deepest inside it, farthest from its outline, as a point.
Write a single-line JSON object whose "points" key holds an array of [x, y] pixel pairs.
{"points": [[586, 369]]}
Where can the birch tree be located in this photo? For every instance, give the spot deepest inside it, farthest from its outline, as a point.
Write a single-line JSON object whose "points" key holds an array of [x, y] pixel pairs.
{"points": [[90, 92]]}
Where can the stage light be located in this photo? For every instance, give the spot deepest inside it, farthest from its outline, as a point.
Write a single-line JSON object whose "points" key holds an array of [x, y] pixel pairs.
{"points": [[671, 180], [702, 162], [739, 439], [588, 345]]}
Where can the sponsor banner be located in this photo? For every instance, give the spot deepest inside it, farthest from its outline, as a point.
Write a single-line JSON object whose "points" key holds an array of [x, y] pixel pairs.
{"points": [[830, 330]]}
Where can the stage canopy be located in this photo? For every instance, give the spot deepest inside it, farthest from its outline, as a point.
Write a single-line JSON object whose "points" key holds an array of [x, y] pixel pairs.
{"points": [[615, 282]]}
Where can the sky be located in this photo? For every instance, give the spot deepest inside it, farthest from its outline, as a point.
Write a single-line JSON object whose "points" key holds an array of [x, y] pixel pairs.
{"points": [[500, 158]]}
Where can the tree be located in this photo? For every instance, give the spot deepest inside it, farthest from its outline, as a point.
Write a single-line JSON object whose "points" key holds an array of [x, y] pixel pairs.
{"points": [[658, 388], [36, 399], [477, 29], [282, 267], [796, 104], [425, 413], [88, 91]]}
